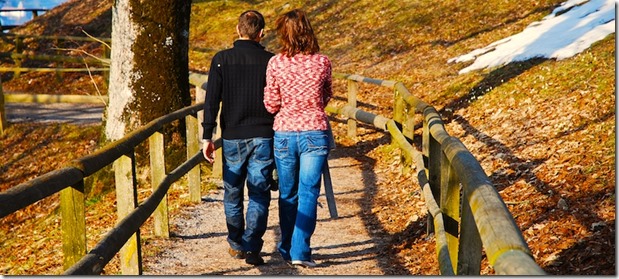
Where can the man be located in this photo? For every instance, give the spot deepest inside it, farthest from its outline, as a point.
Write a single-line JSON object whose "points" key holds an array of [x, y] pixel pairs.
{"points": [[236, 79]]}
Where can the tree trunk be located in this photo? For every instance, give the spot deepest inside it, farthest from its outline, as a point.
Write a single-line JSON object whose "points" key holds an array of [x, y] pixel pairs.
{"points": [[149, 71], [149, 77]]}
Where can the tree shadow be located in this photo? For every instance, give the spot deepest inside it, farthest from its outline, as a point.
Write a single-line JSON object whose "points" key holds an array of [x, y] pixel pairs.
{"points": [[359, 152], [492, 80], [589, 256], [523, 169], [474, 34], [42, 145], [386, 49]]}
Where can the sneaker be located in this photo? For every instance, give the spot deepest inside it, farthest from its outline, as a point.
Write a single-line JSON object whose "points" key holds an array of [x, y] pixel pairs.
{"points": [[237, 254], [309, 263], [253, 258]]}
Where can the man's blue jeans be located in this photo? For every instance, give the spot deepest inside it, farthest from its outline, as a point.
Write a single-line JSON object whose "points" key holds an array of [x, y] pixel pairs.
{"points": [[251, 160], [299, 157]]}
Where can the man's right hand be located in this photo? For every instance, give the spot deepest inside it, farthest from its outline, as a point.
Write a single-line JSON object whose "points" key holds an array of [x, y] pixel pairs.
{"points": [[208, 150]]}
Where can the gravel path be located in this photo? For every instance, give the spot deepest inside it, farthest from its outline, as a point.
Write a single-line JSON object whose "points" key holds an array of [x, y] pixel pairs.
{"points": [[341, 246]]}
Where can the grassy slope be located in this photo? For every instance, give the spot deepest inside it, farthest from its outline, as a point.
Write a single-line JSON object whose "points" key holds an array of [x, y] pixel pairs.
{"points": [[543, 130]]}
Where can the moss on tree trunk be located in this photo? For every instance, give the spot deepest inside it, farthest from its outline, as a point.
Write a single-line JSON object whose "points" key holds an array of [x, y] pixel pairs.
{"points": [[161, 56]]}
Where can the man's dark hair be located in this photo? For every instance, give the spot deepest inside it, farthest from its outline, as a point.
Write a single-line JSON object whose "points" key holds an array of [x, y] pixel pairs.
{"points": [[250, 24]]}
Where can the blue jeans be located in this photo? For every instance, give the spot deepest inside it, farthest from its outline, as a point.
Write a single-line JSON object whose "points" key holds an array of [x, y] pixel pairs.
{"points": [[251, 160], [299, 157]]}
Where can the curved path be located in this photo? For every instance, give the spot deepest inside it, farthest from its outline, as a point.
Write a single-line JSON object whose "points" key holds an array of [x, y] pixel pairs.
{"points": [[341, 246]]}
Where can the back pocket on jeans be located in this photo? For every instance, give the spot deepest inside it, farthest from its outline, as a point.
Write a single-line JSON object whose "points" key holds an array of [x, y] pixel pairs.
{"points": [[318, 144], [280, 147]]}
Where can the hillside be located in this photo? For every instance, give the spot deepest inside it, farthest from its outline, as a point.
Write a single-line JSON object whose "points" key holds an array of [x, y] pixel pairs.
{"points": [[543, 130]]}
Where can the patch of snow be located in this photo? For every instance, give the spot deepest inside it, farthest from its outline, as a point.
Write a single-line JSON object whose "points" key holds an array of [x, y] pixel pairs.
{"points": [[568, 30]]}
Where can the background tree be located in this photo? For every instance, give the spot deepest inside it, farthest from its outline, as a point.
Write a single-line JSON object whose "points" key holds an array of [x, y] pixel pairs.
{"points": [[149, 77], [149, 63]]}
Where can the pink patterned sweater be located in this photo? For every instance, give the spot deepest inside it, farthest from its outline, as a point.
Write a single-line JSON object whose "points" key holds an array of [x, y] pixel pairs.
{"points": [[297, 90]]}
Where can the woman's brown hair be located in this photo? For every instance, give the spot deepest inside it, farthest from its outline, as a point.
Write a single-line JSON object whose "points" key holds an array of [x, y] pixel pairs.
{"points": [[296, 34]]}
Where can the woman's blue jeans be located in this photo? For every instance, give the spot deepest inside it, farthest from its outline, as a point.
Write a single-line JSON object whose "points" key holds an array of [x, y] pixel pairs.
{"points": [[251, 160], [299, 157]]}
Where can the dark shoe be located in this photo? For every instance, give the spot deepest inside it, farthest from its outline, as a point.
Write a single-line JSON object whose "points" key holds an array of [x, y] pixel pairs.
{"points": [[309, 263], [253, 258], [237, 254]]}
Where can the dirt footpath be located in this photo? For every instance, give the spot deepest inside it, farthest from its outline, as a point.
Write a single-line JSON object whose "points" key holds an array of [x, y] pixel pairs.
{"points": [[340, 246], [79, 114]]}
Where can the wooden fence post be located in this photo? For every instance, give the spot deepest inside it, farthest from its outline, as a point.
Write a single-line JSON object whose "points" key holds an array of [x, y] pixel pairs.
{"points": [[193, 147], [200, 97], [353, 89], [328, 184], [218, 164], [469, 254], [450, 207], [105, 54], [73, 224], [398, 107], [19, 49], [432, 153], [126, 201], [3, 122], [217, 167], [157, 173], [399, 116], [408, 130], [59, 65]]}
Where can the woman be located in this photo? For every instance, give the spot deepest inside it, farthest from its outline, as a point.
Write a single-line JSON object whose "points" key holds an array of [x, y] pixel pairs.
{"points": [[297, 90]]}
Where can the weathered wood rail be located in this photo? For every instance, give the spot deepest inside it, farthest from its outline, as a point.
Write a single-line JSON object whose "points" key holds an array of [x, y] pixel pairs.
{"points": [[445, 169]]}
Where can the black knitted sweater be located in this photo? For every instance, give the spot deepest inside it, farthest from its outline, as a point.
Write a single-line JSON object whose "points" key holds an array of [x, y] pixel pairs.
{"points": [[237, 78]]}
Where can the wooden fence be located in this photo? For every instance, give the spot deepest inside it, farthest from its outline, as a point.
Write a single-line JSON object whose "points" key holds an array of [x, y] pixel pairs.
{"points": [[446, 170], [18, 55], [69, 181], [35, 13]]}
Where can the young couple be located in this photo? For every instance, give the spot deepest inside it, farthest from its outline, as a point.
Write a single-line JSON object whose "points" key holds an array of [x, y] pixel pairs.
{"points": [[272, 110]]}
